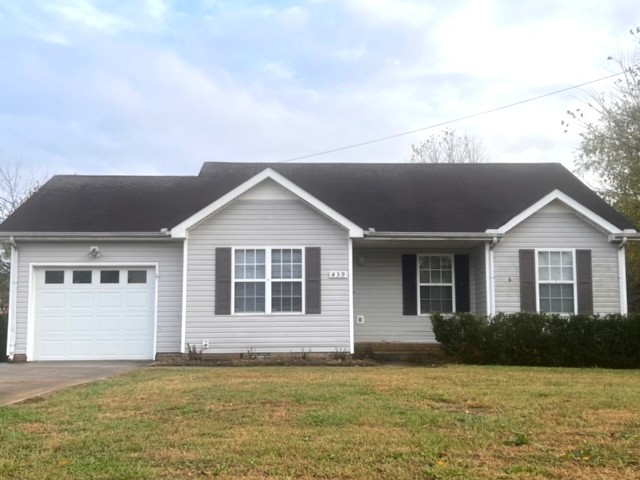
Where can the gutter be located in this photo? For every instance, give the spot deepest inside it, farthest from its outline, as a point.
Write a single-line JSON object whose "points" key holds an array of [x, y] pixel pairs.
{"points": [[371, 234], [78, 236]]}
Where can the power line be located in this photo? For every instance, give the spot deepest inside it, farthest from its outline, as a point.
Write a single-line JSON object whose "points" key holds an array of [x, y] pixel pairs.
{"points": [[448, 122]]}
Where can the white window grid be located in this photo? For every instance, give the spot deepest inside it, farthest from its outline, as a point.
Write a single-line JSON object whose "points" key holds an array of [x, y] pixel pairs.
{"points": [[267, 280], [560, 281], [432, 284]]}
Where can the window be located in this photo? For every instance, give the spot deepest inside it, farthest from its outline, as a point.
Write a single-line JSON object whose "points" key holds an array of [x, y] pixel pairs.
{"points": [[435, 283], [268, 280], [54, 276], [137, 276], [286, 276], [556, 281], [110, 276], [82, 276]]}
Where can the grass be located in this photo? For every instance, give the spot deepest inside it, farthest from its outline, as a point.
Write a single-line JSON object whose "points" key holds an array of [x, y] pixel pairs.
{"points": [[316, 422]]}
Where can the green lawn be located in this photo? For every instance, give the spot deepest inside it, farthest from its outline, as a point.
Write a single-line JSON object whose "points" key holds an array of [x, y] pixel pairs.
{"points": [[314, 422]]}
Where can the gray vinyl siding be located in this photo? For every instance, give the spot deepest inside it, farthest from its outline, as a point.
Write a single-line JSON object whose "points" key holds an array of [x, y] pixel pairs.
{"points": [[267, 222], [556, 226], [168, 256], [378, 295]]}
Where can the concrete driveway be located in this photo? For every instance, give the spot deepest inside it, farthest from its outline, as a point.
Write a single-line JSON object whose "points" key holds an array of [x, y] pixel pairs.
{"points": [[19, 381]]}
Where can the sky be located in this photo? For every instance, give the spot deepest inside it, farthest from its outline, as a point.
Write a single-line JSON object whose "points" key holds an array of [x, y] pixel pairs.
{"points": [[160, 86]]}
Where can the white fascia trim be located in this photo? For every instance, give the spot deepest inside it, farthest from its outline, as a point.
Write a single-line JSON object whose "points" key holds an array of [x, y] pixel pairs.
{"points": [[352, 349], [13, 289], [180, 230], [622, 280], [183, 328], [488, 277], [594, 218], [63, 236]]}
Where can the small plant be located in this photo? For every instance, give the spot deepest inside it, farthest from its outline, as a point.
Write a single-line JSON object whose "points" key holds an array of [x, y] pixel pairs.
{"points": [[518, 439], [251, 353], [194, 353], [339, 354]]}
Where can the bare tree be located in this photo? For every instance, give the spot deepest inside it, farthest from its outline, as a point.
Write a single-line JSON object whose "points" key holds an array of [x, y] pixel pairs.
{"points": [[17, 184], [449, 147]]}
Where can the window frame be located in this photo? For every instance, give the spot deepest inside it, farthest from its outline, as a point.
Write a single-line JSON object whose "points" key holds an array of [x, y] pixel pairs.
{"points": [[537, 251], [268, 281], [420, 284]]}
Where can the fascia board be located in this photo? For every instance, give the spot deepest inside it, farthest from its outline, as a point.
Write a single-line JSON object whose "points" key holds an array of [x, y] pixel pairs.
{"points": [[583, 211], [180, 230]]}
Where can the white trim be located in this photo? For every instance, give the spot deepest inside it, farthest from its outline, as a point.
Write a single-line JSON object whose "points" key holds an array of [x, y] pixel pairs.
{"points": [[183, 327], [452, 284], [81, 236], [492, 277], [351, 318], [13, 291], [574, 282], [488, 277], [32, 295], [622, 280], [180, 230], [583, 211], [268, 281]]}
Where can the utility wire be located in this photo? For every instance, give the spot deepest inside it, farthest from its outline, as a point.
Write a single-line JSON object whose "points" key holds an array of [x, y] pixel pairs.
{"points": [[448, 122]]}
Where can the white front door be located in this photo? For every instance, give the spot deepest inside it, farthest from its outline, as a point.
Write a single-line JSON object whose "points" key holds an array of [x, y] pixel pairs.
{"points": [[104, 313]]}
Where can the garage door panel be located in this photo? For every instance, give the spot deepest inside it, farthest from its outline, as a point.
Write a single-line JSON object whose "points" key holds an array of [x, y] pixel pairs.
{"points": [[109, 300], [52, 349], [53, 300], [79, 348], [53, 324], [84, 321], [80, 324], [80, 300], [136, 324], [137, 299]]}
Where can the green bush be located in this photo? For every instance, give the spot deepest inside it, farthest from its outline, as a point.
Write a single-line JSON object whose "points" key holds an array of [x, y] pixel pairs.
{"points": [[611, 341]]}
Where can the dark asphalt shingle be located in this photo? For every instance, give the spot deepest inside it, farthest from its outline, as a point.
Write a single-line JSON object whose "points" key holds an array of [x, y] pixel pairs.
{"points": [[387, 197]]}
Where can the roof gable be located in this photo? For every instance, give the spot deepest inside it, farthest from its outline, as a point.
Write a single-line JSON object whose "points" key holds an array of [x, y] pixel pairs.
{"points": [[180, 230], [399, 197], [591, 217]]}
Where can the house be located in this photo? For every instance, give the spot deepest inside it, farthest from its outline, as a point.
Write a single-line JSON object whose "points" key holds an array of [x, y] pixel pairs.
{"points": [[284, 257]]}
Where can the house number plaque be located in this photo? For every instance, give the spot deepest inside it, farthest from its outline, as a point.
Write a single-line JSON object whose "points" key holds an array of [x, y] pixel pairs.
{"points": [[338, 274]]}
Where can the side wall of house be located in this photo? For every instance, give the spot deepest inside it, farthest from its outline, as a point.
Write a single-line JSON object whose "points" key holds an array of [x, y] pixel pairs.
{"points": [[267, 216], [168, 256], [556, 226], [378, 294]]}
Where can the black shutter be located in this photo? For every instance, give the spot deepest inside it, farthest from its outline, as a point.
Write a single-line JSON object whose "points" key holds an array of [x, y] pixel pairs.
{"points": [[409, 285], [585, 282], [463, 289], [312, 280], [527, 281], [223, 281]]}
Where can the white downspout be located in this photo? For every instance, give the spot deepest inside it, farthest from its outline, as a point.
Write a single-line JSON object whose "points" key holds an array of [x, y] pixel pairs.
{"points": [[13, 286], [488, 277], [622, 276]]}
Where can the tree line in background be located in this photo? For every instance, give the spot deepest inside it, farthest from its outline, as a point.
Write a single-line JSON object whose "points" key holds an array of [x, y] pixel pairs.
{"points": [[17, 183], [609, 129]]}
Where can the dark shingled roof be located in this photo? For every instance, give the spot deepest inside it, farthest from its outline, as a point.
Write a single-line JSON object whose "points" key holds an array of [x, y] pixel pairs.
{"points": [[387, 197]]}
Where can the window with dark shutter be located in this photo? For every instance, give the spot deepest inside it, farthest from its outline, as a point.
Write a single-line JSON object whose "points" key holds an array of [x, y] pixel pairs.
{"points": [[527, 281], [585, 281], [312, 280], [463, 288], [223, 281], [409, 285]]}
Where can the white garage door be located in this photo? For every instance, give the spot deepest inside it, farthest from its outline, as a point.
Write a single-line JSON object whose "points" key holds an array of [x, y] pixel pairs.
{"points": [[102, 313]]}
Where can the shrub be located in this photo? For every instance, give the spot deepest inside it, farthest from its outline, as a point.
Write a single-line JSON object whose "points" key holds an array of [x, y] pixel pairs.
{"points": [[611, 341]]}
